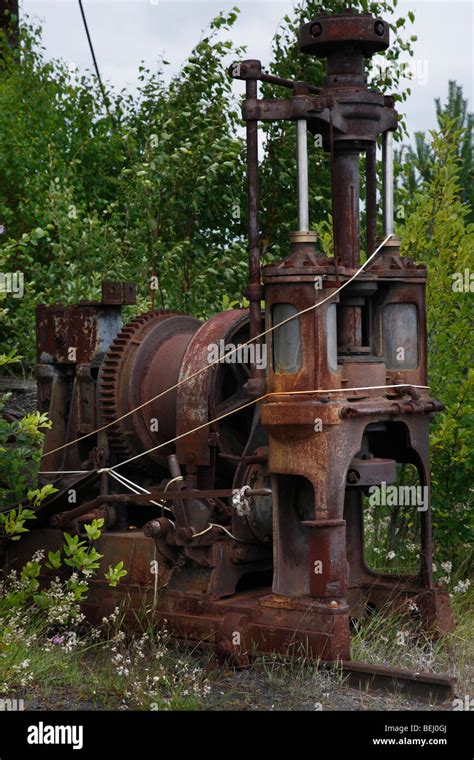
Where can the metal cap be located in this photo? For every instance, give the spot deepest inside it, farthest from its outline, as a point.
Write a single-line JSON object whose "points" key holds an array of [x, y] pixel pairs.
{"points": [[303, 237], [324, 34]]}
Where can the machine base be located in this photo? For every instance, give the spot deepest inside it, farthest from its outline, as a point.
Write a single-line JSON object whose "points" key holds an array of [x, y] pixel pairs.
{"points": [[249, 621]]}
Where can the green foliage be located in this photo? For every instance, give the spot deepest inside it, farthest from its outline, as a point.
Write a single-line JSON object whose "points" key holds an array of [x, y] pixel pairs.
{"points": [[93, 530], [114, 574], [54, 560], [20, 452], [38, 495], [57, 603], [416, 163], [437, 234], [12, 523], [10, 358], [156, 188], [21, 443], [81, 556]]}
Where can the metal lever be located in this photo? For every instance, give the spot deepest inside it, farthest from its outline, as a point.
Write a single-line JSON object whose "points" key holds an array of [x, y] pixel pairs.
{"points": [[252, 69]]}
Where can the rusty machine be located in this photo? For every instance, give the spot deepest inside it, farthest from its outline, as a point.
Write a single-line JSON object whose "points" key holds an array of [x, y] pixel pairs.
{"points": [[233, 491]]}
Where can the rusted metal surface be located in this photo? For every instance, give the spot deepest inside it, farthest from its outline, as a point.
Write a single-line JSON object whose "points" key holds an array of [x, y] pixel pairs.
{"points": [[144, 359], [253, 70], [211, 393], [254, 290], [70, 334], [371, 197], [263, 549]]}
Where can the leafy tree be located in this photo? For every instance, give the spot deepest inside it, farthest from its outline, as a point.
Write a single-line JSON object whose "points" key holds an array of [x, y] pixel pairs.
{"points": [[185, 187], [416, 163], [438, 233], [156, 187]]}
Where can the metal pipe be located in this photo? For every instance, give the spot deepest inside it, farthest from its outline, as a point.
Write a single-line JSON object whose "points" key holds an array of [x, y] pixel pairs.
{"points": [[387, 161], [254, 290], [241, 71], [302, 174], [61, 519], [371, 197], [253, 190], [289, 83]]}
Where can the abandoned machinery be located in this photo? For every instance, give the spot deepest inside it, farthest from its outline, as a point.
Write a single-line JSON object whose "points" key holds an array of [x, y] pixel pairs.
{"points": [[234, 491]]}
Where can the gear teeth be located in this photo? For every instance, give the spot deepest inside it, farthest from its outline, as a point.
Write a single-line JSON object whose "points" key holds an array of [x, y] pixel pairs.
{"points": [[108, 380]]}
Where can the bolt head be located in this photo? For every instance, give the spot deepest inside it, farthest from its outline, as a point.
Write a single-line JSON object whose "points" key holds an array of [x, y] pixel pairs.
{"points": [[316, 29], [379, 28]]}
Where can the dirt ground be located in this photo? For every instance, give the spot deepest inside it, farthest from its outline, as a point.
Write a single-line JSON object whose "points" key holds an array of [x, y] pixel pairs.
{"points": [[253, 690]]}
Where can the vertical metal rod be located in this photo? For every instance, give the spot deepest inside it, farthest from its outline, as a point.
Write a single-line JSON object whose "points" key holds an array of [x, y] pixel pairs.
{"points": [[302, 173], [387, 161], [371, 197], [333, 191], [253, 202]]}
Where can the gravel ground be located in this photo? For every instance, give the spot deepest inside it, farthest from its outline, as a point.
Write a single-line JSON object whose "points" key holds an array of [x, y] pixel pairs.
{"points": [[22, 400], [252, 690], [247, 690]]}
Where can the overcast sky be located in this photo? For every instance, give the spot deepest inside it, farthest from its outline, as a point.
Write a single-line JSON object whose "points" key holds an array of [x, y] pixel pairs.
{"points": [[125, 32]]}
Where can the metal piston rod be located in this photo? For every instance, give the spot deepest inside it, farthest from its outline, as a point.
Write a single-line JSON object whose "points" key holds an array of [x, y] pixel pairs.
{"points": [[302, 174], [387, 162]]}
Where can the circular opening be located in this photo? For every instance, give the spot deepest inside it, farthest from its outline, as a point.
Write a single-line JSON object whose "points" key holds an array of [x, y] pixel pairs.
{"points": [[316, 29], [379, 28]]}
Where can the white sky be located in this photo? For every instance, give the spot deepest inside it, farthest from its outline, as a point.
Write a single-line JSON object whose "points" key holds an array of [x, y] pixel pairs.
{"points": [[125, 32]]}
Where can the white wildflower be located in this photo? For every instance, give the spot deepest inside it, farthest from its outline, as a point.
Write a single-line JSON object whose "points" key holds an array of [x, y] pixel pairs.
{"points": [[462, 586]]}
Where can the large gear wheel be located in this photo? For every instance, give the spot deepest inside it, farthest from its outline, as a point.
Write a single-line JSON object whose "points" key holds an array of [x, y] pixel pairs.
{"points": [[122, 382]]}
